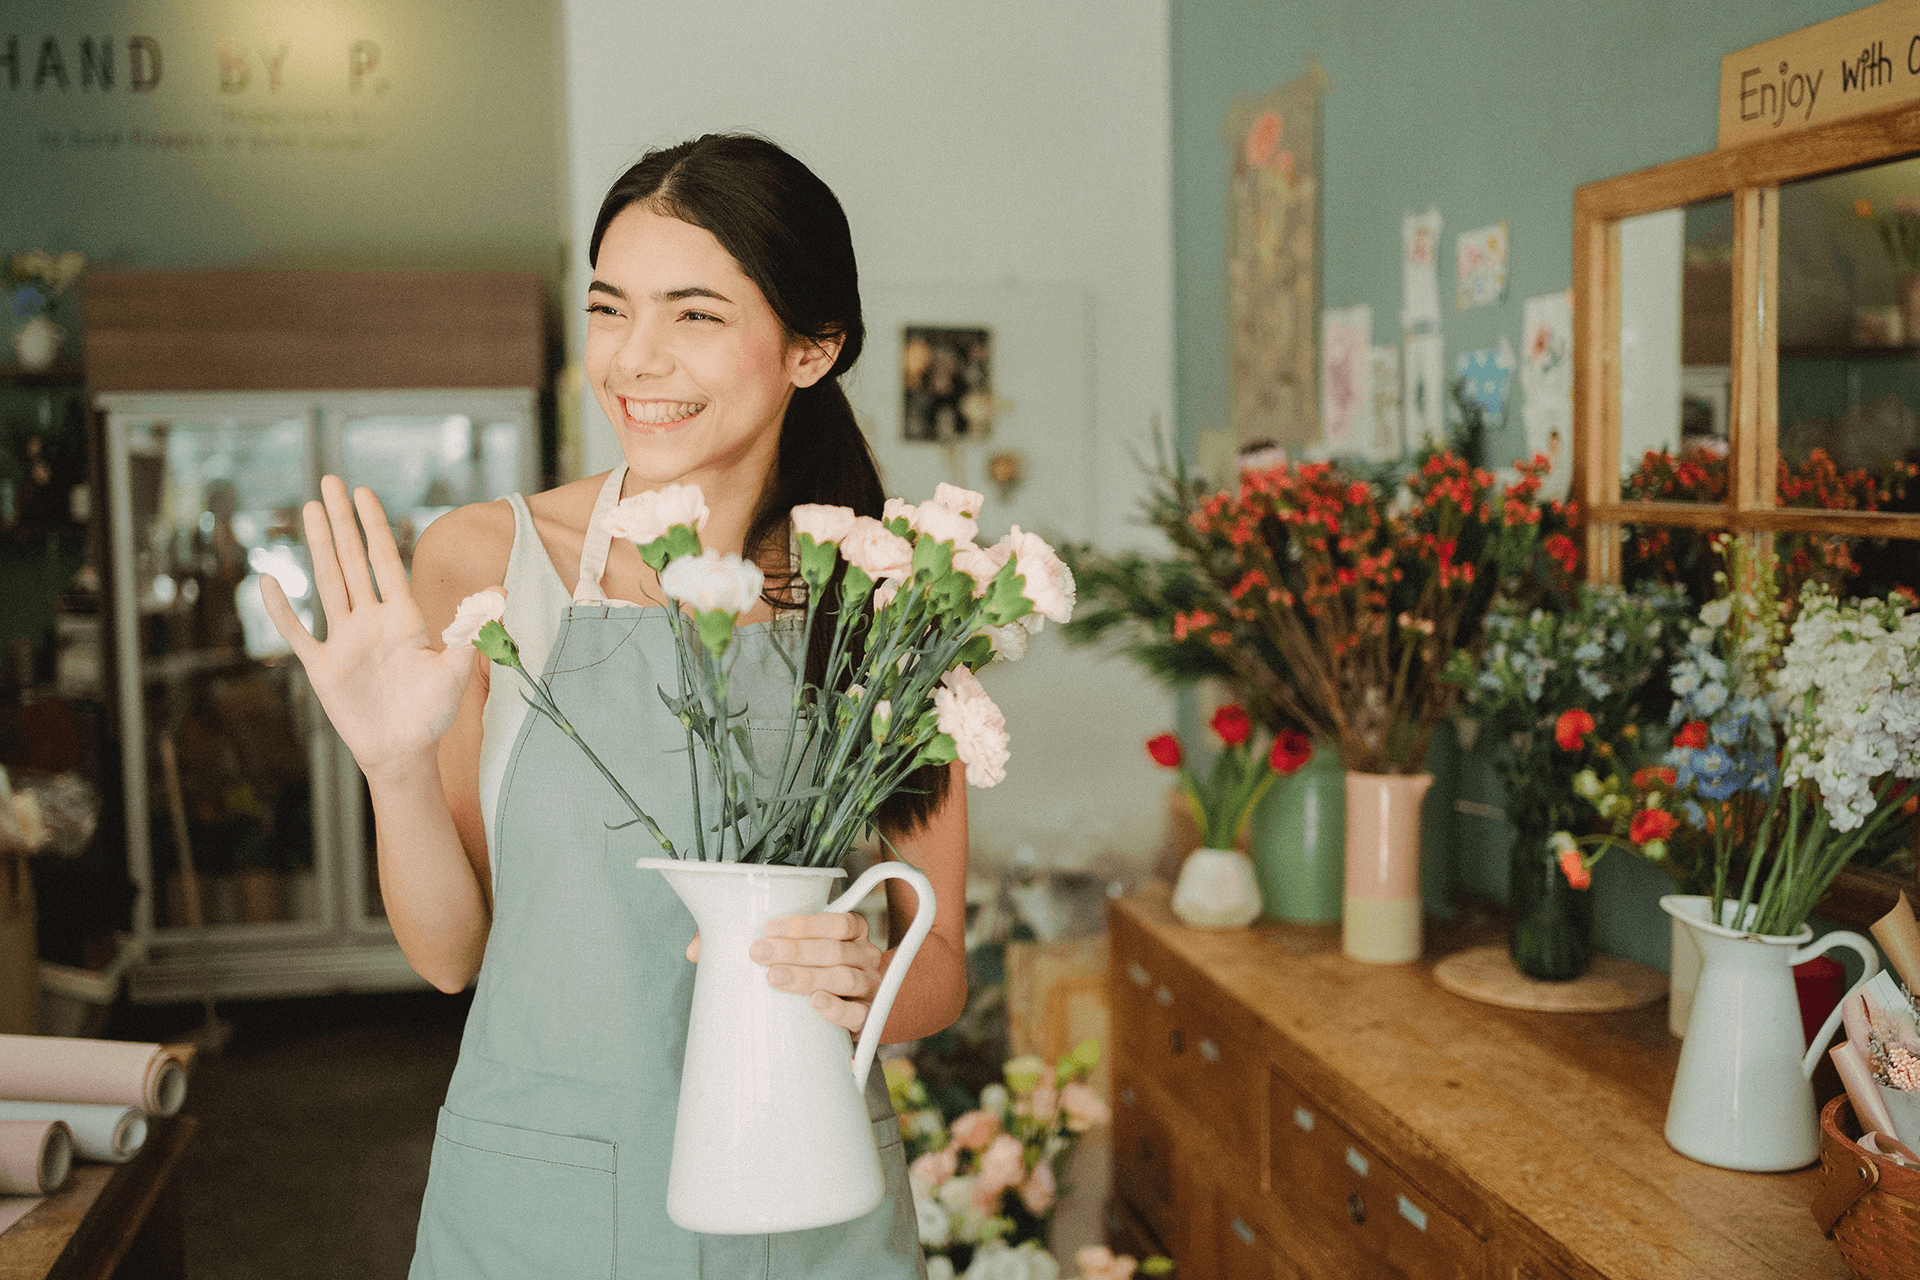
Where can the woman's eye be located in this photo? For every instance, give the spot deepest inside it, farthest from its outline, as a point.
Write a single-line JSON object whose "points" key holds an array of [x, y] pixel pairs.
{"points": [[600, 309], [699, 315]]}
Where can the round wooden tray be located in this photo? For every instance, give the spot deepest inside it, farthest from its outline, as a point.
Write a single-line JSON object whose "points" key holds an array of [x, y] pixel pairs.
{"points": [[1610, 984]]}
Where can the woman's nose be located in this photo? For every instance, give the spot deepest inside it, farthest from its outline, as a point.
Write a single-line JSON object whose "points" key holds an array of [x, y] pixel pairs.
{"points": [[645, 351]]}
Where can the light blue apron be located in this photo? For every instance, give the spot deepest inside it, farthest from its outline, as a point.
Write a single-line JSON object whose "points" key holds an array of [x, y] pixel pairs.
{"points": [[551, 1153]]}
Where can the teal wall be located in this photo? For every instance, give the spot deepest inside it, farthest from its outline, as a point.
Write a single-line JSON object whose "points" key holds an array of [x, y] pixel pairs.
{"points": [[1490, 110]]}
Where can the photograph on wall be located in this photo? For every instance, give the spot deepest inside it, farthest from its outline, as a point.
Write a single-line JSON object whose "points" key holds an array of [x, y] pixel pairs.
{"points": [[1273, 262], [946, 376], [1420, 269], [1423, 402], [1347, 400], [1481, 263], [1546, 382]]}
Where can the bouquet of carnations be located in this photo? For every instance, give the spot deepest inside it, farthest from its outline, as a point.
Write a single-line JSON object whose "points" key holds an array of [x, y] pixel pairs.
{"points": [[986, 1181], [916, 608]]}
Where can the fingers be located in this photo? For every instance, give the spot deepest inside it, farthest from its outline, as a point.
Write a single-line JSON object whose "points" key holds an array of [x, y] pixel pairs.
{"points": [[389, 573], [349, 551], [326, 564], [285, 620], [843, 925], [850, 1014], [693, 949]]}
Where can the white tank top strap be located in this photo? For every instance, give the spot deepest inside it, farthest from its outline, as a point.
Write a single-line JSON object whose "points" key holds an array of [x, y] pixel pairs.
{"points": [[593, 548]]}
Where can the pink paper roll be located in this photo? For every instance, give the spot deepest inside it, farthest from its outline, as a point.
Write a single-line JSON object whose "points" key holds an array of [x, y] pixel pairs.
{"points": [[151, 1077], [35, 1156]]}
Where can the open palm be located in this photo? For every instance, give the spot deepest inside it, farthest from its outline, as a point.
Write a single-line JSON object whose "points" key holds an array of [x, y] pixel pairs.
{"points": [[388, 691]]}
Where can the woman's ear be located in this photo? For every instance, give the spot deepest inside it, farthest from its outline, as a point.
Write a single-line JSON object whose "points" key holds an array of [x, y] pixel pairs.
{"points": [[809, 360]]}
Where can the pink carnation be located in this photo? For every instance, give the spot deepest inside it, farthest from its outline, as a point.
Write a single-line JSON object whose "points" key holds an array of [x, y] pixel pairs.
{"points": [[876, 550], [1085, 1108], [935, 1167], [1002, 1166], [1097, 1262], [645, 517], [1038, 1191], [975, 1130], [476, 611], [978, 729], [1049, 583]]}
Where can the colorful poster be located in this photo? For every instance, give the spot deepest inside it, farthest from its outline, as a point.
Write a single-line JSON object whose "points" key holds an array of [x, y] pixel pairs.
{"points": [[1480, 259], [1420, 269], [1383, 388], [1346, 401], [1273, 261], [1546, 383], [1488, 374], [1424, 404]]}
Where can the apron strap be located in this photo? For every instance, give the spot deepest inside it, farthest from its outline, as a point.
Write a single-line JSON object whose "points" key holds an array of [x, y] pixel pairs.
{"points": [[593, 549]]}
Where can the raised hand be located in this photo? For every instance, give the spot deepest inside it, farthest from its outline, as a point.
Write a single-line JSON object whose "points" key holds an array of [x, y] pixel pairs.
{"points": [[388, 691]]}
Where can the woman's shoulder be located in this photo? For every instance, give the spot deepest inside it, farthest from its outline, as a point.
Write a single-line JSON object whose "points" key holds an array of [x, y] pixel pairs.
{"points": [[462, 552]]}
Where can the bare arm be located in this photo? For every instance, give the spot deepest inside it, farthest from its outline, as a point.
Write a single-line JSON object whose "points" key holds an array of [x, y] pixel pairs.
{"points": [[394, 695]]}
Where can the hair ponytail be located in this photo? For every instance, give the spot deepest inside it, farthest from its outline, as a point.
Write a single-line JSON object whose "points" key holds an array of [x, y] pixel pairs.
{"points": [[790, 236]]}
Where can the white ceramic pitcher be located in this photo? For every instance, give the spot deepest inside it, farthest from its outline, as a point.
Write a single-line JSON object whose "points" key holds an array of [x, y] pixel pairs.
{"points": [[773, 1133], [1742, 1098]]}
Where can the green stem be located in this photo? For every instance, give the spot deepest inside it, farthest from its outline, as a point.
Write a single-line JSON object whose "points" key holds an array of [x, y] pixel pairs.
{"points": [[547, 707]]}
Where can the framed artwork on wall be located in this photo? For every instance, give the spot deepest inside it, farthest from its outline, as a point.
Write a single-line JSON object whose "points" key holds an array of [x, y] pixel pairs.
{"points": [[946, 379]]}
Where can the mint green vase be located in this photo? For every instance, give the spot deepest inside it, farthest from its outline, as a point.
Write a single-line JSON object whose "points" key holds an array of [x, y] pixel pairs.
{"points": [[1298, 841]]}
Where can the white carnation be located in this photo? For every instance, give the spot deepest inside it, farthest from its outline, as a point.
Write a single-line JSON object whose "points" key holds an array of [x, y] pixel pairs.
{"points": [[476, 611], [876, 550], [944, 524], [823, 523], [711, 581], [897, 509], [1009, 642], [936, 1224], [1049, 583], [978, 729], [940, 1267], [645, 517], [954, 498]]}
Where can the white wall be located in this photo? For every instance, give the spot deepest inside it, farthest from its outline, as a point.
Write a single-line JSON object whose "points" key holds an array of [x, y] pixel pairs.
{"points": [[997, 160]]}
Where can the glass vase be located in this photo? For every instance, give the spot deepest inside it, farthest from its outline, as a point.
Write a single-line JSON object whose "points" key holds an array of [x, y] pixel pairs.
{"points": [[1552, 921]]}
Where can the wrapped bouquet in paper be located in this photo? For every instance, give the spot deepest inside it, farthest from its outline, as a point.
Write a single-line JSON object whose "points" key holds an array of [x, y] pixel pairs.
{"points": [[773, 1133]]}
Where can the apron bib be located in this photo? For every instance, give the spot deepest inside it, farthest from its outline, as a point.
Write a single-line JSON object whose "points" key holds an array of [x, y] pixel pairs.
{"points": [[551, 1154]]}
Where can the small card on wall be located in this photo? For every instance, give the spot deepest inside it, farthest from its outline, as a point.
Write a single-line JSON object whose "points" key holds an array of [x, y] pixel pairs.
{"points": [[1488, 374], [1346, 401], [1480, 259], [1382, 443], [1424, 403], [1420, 269], [1546, 383]]}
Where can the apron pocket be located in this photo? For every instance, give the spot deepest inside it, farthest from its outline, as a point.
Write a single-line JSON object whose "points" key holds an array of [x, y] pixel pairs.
{"points": [[516, 1203]]}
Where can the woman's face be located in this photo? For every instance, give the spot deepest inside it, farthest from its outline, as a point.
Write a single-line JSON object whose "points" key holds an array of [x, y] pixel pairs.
{"points": [[690, 364]]}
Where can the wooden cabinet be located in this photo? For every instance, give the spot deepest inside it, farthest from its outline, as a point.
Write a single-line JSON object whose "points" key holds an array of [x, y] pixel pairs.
{"points": [[1283, 1113]]}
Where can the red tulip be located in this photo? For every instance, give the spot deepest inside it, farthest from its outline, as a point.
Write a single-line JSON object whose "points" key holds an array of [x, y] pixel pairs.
{"points": [[1651, 824], [1574, 869], [1693, 734], [1572, 728], [1290, 750], [1232, 723], [1165, 750]]}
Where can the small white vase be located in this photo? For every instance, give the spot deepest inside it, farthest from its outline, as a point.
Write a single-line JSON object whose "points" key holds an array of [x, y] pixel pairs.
{"points": [[772, 1132], [37, 344], [1217, 890], [1742, 1096]]}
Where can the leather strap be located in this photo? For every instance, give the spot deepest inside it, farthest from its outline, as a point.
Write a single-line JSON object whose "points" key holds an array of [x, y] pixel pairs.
{"points": [[1853, 1176]]}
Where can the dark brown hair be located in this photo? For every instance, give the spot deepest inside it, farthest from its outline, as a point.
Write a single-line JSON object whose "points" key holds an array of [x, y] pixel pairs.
{"points": [[789, 235]]}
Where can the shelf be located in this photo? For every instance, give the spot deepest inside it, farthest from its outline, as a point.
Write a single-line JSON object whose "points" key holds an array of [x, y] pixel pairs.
{"points": [[1904, 352]]}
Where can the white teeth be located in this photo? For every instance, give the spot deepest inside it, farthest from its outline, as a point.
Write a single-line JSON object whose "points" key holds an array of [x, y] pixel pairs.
{"points": [[660, 412]]}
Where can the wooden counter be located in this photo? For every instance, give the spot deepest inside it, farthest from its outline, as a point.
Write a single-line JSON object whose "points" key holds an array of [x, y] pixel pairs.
{"points": [[1282, 1111], [108, 1219]]}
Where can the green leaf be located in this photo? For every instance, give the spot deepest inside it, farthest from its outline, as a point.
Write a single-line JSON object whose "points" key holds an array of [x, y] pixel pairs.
{"points": [[977, 652], [940, 749], [716, 629]]}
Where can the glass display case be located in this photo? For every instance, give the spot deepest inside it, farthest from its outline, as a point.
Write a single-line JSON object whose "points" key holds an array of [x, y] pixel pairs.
{"points": [[248, 826]]}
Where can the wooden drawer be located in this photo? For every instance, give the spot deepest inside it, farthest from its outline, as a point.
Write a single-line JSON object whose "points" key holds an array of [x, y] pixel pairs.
{"points": [[1167, 1017], [1143, 1158], [1356, 1205], [1243, 1248], [1126, 1233]]}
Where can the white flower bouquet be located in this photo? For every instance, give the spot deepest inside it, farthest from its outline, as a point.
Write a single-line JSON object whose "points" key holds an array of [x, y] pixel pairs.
{"points": [[917, 608]]}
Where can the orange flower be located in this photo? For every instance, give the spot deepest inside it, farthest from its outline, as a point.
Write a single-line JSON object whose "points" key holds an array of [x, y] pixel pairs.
{"points": [[1651, 824], [1572, 728], [1646, 778], [1574, 869], [1692, 734]]}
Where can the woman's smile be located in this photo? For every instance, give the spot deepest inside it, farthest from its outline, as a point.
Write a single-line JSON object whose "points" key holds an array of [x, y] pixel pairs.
{"points": [[660, 413]]}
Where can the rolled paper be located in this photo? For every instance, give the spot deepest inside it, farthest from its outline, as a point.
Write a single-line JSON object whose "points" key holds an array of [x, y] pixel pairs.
{"points": [[1903, 1106], [1881, 1145], [35, 1156], [1862, 1090], [106, 1132], [1899, 936], [152, 1077]]}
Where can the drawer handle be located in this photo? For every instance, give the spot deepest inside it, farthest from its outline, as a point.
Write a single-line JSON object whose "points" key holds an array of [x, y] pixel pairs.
{"points": [[1303, 1118], [1210, 1051], [1163, 995], [1356, 1162], [1242, 1230], [1141, 978], [1128, 1097], [1413, 1213], [1357, 1209], [1178, 1040]]}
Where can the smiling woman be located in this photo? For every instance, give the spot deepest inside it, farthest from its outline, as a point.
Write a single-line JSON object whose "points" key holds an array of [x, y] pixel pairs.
{"points": [[724, 306]]}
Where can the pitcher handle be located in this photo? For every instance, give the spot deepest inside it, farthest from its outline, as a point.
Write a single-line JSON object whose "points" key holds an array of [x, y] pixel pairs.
{"points": [[1819, 947], [902, 954]]}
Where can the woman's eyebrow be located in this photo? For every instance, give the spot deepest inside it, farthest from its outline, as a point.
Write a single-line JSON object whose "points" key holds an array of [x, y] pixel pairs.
{"points": [[662, 295]]}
